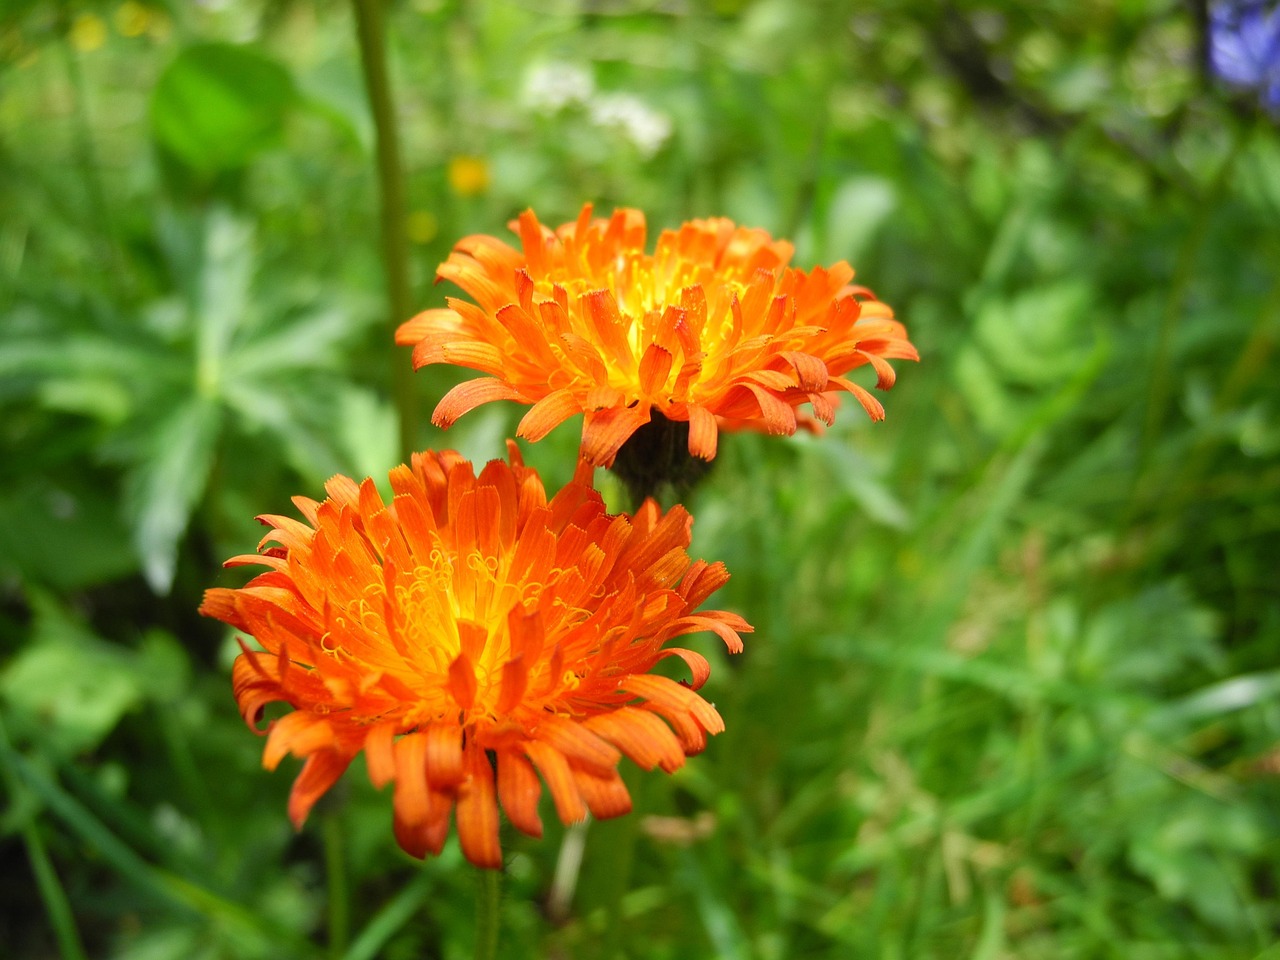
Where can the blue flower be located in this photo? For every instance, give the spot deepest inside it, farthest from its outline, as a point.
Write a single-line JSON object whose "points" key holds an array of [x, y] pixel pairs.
{"points": [[1244, 46]]}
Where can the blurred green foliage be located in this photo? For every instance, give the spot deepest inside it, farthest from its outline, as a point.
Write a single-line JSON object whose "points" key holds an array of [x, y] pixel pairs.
{"points": [[1015, 686]]}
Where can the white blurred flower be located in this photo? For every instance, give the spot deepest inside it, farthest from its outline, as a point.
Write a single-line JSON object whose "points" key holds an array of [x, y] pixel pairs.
{"points": [[550, 87], [644, 126]]}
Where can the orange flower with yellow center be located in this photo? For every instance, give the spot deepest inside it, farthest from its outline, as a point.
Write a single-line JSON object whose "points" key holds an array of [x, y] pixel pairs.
{"points": [[713, 329], [470, 636]]}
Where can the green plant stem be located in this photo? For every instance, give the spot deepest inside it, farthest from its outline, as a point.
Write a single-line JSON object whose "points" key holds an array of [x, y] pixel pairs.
{"points": [[388, 921], [335, 870], [117, 273], [488, 898], [372, 34], [1183, 275], [55, 900]]}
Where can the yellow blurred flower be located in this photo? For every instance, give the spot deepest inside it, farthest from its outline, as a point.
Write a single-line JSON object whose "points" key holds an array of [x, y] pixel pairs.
{"points": [[88, 32], [468, 176], [132, 19]]}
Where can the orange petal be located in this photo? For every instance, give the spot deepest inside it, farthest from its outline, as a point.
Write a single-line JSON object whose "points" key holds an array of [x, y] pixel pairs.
{"points": [[427, 836], [605, 431], [605, 796], [298, 733], [578, 745], [462, 681], [548, 413], [696, 662], [655, 367], [555, 770], [465, 397], [379, 754], [414, 329], [411, 802], [515, 680], [869, 403], [703, 432], [641, 736], [519, 789], [319, 773], [443, 757], [478, 813], [669, 697]]}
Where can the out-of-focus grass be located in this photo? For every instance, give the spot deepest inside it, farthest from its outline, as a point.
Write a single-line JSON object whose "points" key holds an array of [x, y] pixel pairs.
{"points": [[1013, 688]]}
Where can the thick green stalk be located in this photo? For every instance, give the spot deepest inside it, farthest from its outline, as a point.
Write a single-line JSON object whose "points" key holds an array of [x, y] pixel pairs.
{"points": [[488, 899], [372, 33]]}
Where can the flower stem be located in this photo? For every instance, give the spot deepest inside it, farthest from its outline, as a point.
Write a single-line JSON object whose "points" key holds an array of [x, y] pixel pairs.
{"points": [[488, 898], [54, 896], [371, 30], [1159, 383], [335, 868]]}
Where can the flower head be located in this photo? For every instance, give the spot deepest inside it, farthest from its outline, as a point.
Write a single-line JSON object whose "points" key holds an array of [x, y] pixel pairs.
{"points": [[1244, 46], [713, 329], [470, 636]]}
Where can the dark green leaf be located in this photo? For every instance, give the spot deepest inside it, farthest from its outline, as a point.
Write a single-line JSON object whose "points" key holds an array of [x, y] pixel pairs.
{"points": [[218, 105]]}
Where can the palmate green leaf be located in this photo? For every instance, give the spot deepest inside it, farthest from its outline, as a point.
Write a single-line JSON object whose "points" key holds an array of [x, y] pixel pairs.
{"points": [[221, 301], [218, 105], [306, 445], [309, 341], [163, 487], [80, 355]]}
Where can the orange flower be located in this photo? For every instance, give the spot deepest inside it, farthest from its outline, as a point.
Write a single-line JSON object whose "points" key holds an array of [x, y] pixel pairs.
{"points": [[713, 324], [470, 636]]}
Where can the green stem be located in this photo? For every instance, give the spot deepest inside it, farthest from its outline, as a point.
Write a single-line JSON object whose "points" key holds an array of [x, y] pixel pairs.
{"points": [[335, 869], [55, 900], [1184, 273], [488, 898], [91, 169], [371, 30]]}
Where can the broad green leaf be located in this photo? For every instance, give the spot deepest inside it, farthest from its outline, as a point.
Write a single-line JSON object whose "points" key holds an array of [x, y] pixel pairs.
{"points": [[218, 105]]}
